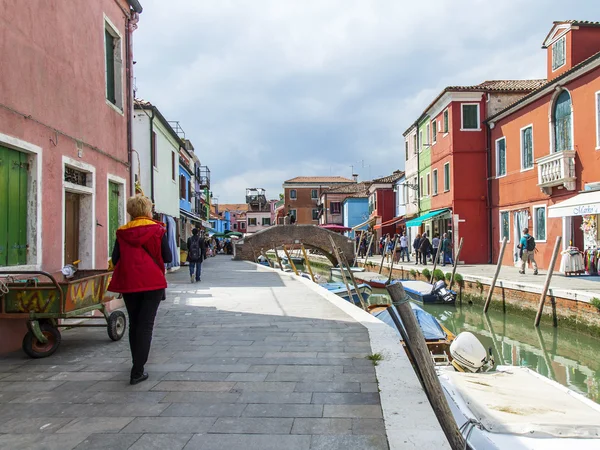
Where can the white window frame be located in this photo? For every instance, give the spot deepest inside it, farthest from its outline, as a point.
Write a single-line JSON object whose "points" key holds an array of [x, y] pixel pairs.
{"points": [[498, 158], [447, 178], [262, 221], [428, 179], [562, 38], [597, 120], [316, 197], [462, 119], [420, 140], [532, 148], [533, 208], [421, 188], [122, 183], [250, 219], [434, 182], [444, 113], [434, 131], [313, 215], [503, 211], [119, 90], [428, 133], [295, 197]]}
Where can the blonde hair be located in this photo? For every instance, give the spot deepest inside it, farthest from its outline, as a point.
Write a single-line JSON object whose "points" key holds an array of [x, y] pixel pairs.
{"points": [[139, 206]]}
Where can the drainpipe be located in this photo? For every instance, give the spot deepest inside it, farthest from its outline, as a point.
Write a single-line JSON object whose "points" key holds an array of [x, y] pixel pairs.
{"points": [[151, 156], [131, 27], [136, 6], [488, 132]]}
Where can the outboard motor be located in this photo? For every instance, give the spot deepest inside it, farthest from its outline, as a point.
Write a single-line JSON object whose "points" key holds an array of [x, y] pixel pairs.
{"points": [[440, 290], [468, 354]]}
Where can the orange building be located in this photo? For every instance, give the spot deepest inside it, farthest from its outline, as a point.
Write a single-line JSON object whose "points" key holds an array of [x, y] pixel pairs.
{"points": [[545, 160], [301, 196]]}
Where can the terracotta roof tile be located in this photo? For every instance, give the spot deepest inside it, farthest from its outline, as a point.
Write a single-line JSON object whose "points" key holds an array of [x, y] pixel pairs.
{"points": [[501, 86], [319, 180], [233, 207], [390, 178], [583, 23], [350, 188]]}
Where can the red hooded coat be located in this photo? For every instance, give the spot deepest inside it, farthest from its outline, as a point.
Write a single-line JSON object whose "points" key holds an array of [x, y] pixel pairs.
{"points": [[140, 266]]}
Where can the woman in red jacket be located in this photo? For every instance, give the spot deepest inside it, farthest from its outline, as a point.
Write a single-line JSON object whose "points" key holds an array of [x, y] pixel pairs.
{"points": [[139, 257]]}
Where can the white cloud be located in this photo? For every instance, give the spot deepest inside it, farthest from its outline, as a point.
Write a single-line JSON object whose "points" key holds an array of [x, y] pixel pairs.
{"points": [[271, 89]]}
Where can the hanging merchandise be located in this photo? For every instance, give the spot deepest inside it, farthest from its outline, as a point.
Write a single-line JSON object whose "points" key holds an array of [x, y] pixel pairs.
{"points": [[590, 231], [572, 262]]}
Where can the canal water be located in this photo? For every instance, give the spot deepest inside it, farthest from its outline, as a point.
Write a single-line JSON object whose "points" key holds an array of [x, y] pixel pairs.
{"points": [[566, 356]]}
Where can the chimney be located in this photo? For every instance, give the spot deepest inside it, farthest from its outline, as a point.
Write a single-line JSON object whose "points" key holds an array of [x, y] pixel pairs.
{"points": [[355, 177]]}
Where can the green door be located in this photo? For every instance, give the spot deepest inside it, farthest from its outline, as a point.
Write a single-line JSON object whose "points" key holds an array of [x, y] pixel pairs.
{"points": [[113, 214], [13, 207]]}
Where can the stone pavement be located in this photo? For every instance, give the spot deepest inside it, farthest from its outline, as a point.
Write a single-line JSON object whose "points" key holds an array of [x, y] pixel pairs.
{"points": [[246, 359]]}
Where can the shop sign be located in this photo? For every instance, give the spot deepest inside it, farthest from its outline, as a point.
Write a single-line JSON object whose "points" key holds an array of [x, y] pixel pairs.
{"points": [[584, 210], [206, 224]]}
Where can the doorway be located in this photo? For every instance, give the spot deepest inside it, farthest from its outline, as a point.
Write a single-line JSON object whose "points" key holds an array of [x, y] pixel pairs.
{"points": [[72, 211]]}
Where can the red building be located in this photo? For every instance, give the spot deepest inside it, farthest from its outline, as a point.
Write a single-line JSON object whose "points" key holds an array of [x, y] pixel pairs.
{"points": [[452, 143], [382, 204], [64, 134], [544, 150]]}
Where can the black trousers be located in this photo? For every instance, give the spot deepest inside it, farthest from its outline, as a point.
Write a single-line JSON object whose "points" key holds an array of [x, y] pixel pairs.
{"points": [[141, 308]]}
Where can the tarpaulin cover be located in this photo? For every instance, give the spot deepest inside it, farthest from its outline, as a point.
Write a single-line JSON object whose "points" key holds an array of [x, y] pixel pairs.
{"points": [[430, 327]]}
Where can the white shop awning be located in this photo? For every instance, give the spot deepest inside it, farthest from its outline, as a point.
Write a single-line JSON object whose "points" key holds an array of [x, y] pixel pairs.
{"points": [[582, 204]]}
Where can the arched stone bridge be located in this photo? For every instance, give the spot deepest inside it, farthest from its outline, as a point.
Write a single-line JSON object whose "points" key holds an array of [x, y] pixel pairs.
{"points": [[312, 236]]}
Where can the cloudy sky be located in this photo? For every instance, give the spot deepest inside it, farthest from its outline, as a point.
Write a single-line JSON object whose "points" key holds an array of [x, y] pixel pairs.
{"points": [[272, 89]]}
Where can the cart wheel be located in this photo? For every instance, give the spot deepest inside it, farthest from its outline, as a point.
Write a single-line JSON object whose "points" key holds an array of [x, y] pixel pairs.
{"points": [[35, 348], [116, 325]]}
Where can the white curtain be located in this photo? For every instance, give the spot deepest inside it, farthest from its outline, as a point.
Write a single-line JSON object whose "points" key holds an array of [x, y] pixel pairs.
{"points": [[520, 221]]}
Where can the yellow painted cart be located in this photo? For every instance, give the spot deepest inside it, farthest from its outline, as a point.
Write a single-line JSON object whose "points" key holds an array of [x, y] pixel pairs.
{"points": [[44, 299]]}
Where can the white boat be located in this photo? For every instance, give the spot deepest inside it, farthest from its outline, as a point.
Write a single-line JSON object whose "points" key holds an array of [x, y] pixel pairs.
{"points": [[336, 272], [514, 407]]}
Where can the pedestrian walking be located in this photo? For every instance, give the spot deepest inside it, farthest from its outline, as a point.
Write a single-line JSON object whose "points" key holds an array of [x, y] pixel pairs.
{"points": [[416, 247], [139, 256], [196, 254], [404, 248], [527, 250], [424, 248], [389, 253], [435, 244]]}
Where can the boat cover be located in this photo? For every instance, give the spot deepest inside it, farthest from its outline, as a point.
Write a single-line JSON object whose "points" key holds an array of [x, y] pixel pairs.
{"points": [[429, 325], [419, 287], [516, 400]]}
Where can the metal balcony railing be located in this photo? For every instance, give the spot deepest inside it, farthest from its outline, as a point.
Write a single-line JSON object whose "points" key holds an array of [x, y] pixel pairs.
{"points": [[557, 169]]}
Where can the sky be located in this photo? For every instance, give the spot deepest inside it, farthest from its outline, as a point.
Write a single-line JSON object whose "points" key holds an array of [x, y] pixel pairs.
{"points": [[268, 90]]}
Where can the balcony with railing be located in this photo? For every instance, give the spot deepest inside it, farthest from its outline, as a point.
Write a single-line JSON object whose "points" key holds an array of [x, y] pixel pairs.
{"points": [[557, 169]]}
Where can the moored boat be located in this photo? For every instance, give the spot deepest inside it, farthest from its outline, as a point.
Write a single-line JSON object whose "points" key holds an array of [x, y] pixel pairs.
{"points": [[423, 292], [297, 260], [336, 272], [364, 290], [437, 337]]}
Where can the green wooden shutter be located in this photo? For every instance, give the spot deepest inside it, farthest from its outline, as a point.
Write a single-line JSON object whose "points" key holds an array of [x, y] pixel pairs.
{"points": [[562, 122], [110, 67], [113, 214], [501, 157], [13, 207]]}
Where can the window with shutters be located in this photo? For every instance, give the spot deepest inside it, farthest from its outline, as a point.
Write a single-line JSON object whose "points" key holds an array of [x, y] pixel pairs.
{"points": [[421, 187], [428, 184], [446, 177], [315, 214], [251, 221], [335, 208], [501, 157], [428, 135], [415, 143], [562, 123], [446, 120], [539, 223], [182, 183], [504, 225], [173, 165], [420, 140], [153, 150], [470, 116], [266, 221], [293, 194], [527, 148], [406, 150], [434, 131], [435, 182], [598, 120], [113, 54], [559, 53], [189, 191]]}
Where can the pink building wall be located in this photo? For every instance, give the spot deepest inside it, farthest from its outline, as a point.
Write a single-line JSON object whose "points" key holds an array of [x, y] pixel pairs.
{"points": [[53, 74]]}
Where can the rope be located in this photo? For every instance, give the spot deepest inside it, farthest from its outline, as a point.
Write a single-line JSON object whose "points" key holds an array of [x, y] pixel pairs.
{"points": [[467, 428], [3, 287]]}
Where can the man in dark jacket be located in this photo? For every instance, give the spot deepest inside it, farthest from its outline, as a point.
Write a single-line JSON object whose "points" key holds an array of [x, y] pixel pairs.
{"points": [[416, 247], [196, 253], [424, 248]]}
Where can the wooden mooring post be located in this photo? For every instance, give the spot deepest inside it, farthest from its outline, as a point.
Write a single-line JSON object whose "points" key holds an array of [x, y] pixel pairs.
{"points": [[460, 244], [341, 265], [262, 252], [538, 316], [383, 251], [493, 285], [278, 258], [292, 265], [369, 249], [389, 280], [312, 276], [424, 363], [435, 261]]}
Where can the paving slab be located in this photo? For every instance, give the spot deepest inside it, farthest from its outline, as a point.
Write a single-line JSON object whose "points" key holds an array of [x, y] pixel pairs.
{"points": [[248, 359]]}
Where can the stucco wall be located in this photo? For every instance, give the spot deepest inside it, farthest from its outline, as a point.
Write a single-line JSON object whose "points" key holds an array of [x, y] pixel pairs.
{"points": [[166, 190]]}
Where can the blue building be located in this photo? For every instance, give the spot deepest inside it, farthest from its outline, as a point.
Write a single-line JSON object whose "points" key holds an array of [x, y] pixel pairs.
{"points": [[355, 211]]}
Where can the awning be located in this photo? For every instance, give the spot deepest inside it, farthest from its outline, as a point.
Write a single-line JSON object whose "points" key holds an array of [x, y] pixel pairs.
{"points": [[335, 227], [582, 204], [388, 223], [188, 214], [372, 220], [425, 217]]}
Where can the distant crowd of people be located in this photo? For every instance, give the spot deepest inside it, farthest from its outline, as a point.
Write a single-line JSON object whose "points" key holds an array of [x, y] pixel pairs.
{"points": [[398, 249]]}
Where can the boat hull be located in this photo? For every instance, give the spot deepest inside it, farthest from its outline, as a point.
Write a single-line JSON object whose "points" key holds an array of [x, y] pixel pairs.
{"points": [[420, 292]]}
